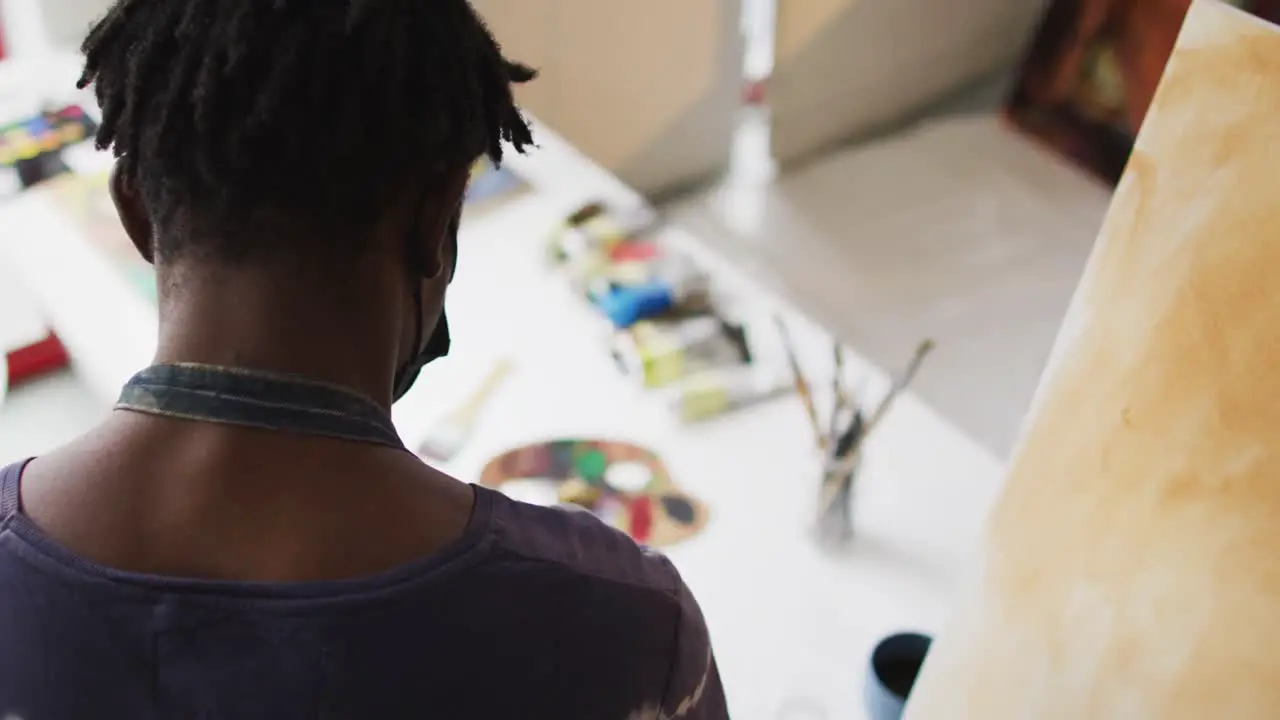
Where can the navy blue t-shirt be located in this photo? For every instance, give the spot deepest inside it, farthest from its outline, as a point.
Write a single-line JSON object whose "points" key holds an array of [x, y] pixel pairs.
{"points": [[533, 613]]}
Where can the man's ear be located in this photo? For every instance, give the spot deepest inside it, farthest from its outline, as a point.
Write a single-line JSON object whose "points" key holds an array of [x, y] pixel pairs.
{"points": [[133, 213]]}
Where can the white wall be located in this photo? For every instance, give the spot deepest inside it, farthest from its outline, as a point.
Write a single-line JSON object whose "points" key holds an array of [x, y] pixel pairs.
{"points": [[650, 90], [845, 68], [33, 25]]}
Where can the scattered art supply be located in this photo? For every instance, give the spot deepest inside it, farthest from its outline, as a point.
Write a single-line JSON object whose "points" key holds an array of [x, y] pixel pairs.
{"points": [[627, 305], [625, 485], [31, 149], [610, 259], [594, 227], [637, 251], [40, 169], [658, 302], [447, 438], [630, 290], [835, 503], [33, 360], [803, 388], [899, 385], [44, 134], [661, 352], [840, 398], [872, 419], [600, 234], [712, 393], [584, 213]]}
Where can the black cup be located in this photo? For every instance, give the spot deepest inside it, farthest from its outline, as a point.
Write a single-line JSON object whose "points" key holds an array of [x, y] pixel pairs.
{"points": [[894, 666]]}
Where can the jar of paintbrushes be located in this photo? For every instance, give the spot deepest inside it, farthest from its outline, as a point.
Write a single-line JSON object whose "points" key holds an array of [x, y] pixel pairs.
{"points": [[842, 438]]}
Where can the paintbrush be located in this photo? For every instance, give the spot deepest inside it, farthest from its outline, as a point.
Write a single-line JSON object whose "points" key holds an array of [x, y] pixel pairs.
{"points": [[835, 478], [839, 395], [803, 389], [848, 439], [448, 436], [848, 460]]}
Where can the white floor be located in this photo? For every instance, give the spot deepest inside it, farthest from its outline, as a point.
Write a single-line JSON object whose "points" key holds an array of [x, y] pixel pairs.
{"points": [[959, 231]]}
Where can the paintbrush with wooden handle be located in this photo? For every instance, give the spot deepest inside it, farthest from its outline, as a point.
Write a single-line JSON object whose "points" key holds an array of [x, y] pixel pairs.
{"points": [[448, 436], [803, 388], [847, 461], [840, 400]]}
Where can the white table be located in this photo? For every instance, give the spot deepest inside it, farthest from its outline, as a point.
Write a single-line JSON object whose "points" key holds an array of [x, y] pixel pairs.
{"points": [[793, 625]]}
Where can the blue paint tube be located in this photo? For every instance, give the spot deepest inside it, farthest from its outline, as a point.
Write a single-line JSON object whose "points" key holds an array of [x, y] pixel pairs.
{"points": [[625, 306]]}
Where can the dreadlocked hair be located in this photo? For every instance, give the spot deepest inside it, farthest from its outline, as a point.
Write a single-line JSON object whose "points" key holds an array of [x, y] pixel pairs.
{"points": [[227, 113]]}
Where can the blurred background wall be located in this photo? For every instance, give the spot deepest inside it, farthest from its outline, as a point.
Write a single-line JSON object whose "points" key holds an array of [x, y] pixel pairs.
{"points": [[648, 89], [846, 68]]}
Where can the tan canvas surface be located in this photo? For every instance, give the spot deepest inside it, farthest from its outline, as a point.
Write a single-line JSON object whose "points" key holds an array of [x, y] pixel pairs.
{"points": [[1132, 566]]}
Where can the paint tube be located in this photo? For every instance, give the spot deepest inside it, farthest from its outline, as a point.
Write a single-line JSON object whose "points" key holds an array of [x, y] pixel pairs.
{"points": [[596, 228], [711, 393], [661, 352], [670, 282]]}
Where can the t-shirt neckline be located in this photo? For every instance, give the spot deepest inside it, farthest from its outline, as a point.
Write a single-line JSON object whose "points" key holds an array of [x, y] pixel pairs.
{"points": [[461, 552]]}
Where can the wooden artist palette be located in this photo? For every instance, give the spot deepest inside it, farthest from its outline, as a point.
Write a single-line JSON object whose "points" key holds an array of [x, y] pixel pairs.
{"points": [[625, 485]]}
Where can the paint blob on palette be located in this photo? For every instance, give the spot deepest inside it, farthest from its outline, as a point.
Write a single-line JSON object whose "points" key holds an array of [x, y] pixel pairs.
{"points": [[625, 485]]}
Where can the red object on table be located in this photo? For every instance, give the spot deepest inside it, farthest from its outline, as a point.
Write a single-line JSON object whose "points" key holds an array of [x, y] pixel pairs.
{"points": [[641, 510], [634, 250], [1, 38], [32, 361]]}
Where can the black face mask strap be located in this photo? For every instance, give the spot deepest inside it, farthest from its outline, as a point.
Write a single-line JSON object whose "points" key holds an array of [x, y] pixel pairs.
{"points": [[417, 267], [438, 344]]}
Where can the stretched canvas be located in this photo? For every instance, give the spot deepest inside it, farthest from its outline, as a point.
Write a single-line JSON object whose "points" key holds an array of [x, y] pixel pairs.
{"points": [[1131, 568]]}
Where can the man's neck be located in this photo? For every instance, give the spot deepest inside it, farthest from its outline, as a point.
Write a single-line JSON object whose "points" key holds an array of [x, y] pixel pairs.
{"points": [[263, 321]]}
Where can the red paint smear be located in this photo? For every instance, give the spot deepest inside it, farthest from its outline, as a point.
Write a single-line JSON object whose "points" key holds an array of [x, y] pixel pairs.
{"points": [[634, 250], [641, 509]]}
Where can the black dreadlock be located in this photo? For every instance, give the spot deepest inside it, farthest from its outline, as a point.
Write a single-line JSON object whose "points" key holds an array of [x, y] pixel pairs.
{"points": [[315, 113]]}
